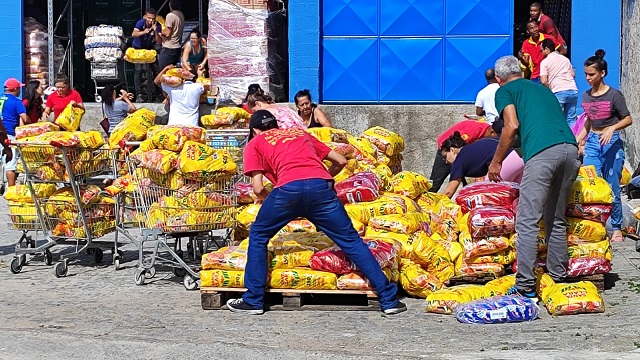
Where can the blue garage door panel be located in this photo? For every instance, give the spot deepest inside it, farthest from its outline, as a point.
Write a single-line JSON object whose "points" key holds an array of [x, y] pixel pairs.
{"points": [[412, 18], [350, 69], [466, 60], [350, 17], [479, 17], [411, 70]]}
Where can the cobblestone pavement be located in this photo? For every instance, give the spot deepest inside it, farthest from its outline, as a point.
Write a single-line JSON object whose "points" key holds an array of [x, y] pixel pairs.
{"points": [[97, 312]]}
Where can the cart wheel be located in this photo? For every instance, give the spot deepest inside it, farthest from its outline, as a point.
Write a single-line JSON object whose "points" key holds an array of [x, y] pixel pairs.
{"points": [[120, 254], [32, 243], [140, 275], [61, 269], [180, 254], [98, 98], [179, 272], [150, 273], [23, 260], [48, 257], [90, 251], [189, 282], [16, 265], [98, 255], [116, 262]]}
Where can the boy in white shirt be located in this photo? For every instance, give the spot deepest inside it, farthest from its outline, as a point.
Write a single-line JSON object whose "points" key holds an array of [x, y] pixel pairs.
{"points": [[184, 100], [485, 101]]}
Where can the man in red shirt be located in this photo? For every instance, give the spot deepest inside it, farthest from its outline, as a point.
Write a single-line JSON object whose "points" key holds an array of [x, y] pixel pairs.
{"points": [[531, 53], [471, 131], [303, 187], [545, 23]]}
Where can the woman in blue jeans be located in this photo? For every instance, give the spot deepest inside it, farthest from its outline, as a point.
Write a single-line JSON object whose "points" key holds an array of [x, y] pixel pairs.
{"points": [[607, 114], [303, 187]]}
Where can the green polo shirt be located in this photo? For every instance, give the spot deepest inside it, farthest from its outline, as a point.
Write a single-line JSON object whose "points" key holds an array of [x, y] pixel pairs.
{"points": [[542, 121]]}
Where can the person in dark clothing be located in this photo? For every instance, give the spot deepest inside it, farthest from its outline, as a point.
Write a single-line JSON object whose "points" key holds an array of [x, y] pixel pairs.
{"points": [[312, 115]]}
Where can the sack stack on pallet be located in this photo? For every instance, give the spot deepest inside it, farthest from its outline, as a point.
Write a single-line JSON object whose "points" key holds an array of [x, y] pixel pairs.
{"points": [[103, 43], [226, 118], [36, 51]]}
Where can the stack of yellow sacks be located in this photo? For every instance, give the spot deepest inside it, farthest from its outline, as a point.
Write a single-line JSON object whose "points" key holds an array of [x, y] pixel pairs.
{"points": [[22, 209], [226, 118], [184, 180]]}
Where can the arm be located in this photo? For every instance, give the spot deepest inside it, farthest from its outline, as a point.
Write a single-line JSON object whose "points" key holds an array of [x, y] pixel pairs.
{"points": [[452, 187], [479, 111], [158, 79], [124, 96], [511, 126], [544, 79], [338, 162], [573, 72], [46, 113], [185, 57], [258, 187], [24, 119], [79, 105], [137, 32], [321, 118], [562, 50], [206, 54]]}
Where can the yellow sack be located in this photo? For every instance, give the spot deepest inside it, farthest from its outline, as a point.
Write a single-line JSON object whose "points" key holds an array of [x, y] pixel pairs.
{"points": [[225, 116], [569, 299], [454, 248], [290, 260], [69, 119], [543, 281], [90, 139], [407, 204], [501, 286], [21, 193], [326, 134], [157, 217], [385, 175], [35, 129], [360, 227], [625, 178], [226, 258], [429, 200], [407, 223], [201, 159], [365, 151], [503, 257], [365, 211], [445, 220], [248, 215], [587, 229], [444, 301], [410, 184], [179, 72], [416, 281], [385, 140], [146, 145], [133, 128], [600, 249], [222, 278], [162, 161], [590, 189], [152, 130], [406, 241], [433, 257], [296, 241], [140, 56], [300, 225], [303, 279], [174, 138]]}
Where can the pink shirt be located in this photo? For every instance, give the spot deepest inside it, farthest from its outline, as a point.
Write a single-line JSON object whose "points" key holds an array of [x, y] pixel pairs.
{"points": [[559, 70], [287, 118]]}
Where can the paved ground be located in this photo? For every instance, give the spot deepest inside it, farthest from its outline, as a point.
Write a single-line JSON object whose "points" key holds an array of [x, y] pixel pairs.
{"points": [[97, 312]]}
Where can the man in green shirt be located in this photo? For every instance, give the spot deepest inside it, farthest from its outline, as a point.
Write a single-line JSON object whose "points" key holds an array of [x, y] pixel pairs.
{"points": [[550, 153]]}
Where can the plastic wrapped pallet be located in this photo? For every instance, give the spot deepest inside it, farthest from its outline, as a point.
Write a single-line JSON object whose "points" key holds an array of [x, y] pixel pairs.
{"points": [[103, 43], [246, 47]]}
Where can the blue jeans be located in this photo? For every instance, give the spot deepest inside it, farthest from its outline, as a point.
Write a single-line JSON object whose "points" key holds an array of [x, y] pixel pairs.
{"points": [[608, 160], [536, 81], [569, 101], [315, 200]]}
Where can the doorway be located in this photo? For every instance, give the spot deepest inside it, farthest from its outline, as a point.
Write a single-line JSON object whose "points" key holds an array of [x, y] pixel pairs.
{"points": [[558, 10]]}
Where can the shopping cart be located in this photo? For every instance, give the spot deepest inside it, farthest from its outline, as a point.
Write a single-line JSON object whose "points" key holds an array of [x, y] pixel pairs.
{"points": [[169, 214], [25, 219], [108, 72], [74, 215]]}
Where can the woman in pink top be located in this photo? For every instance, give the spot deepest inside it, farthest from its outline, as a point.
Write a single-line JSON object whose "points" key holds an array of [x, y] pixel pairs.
{"points": [[287, 117], [556, 73]]}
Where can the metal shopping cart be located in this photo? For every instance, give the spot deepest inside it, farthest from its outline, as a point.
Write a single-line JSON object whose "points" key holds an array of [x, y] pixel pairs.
{"points": [[24, 218], [190, 208], [76, 214]]}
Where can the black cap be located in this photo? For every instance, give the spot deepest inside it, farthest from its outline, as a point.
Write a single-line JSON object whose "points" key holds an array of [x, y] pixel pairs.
{"points": [[262, 120]]}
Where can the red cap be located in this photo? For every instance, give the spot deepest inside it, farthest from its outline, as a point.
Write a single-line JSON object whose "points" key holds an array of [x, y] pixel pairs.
{"points": [[12, 84]]}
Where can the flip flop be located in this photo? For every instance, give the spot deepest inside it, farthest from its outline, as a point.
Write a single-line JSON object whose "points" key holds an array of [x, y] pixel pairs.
{"points": [[617, 238]]}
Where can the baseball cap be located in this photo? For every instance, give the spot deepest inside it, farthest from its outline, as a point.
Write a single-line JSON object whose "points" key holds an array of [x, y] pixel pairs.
{"points": [[12, 83], [262, 120]]}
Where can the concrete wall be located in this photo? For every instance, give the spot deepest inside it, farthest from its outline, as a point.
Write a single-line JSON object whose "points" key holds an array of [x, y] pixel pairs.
{"points": [[630, 83], [420, 125]]}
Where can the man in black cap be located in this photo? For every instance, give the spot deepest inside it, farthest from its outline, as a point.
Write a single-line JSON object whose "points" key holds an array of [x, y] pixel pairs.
{"points": [[303, 187]]}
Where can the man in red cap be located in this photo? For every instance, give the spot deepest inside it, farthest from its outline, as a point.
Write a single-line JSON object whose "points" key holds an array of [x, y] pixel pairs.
{"points": [[14, 114]]}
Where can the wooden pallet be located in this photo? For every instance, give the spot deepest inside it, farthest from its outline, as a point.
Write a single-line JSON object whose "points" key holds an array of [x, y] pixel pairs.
{"points": [[482, 278], [597, 280], [215, 298]]}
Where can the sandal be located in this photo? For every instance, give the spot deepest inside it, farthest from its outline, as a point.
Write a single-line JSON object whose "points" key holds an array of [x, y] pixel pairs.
{"points": [[617, 238]]}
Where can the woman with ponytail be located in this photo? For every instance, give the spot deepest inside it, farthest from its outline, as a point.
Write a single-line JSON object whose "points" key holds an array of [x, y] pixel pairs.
{"points": [[607, 114], [473, 161], [287, 117]]}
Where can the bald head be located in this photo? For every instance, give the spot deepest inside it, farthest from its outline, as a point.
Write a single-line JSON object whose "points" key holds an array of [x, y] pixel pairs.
{"points": [[490, 75]]}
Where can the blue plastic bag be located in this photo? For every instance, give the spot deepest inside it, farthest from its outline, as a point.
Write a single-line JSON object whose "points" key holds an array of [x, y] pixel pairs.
{"points": [[497, 310]]}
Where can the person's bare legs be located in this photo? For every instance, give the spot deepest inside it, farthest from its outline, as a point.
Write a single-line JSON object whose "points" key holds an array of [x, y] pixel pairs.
{"points": [[11, 177]]}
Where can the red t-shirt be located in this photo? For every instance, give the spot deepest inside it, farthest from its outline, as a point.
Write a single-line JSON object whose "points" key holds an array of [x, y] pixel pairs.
{"points": [[58, 103], [470, 130], [548, 27], [33, 114], [534, 50], [286, 155]]}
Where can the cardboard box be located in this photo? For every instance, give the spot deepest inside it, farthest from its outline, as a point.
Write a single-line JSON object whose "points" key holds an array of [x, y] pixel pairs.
{"points": [[254, 4]]}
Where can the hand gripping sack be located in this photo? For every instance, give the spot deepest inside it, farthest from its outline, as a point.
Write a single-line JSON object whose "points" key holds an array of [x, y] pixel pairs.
{"points": [[69, 119], [497, 310]]}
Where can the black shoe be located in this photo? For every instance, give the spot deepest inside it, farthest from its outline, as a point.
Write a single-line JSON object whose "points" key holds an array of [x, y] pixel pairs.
{"points": [[238, 305], [529, 294], [397, 309]]}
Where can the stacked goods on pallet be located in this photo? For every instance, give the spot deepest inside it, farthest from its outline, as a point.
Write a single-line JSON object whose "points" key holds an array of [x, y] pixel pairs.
{"points": [[488, 240], [36, 46], [103, 43]]}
